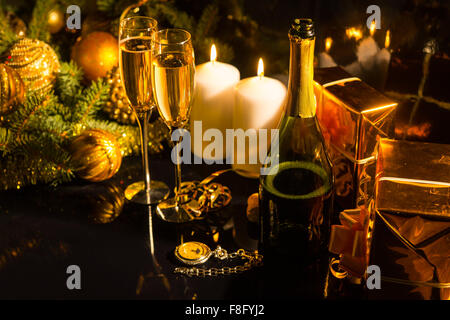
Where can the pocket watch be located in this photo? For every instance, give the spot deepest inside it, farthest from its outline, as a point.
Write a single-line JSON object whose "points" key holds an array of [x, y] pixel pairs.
{"points": [[195, 253]]}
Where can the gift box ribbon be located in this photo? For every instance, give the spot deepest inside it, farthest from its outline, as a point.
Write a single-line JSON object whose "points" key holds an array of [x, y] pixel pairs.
{"points": [[350, 241]]}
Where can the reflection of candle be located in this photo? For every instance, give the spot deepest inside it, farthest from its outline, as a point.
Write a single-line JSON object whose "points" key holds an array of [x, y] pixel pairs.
{"points": [[387, 41], [328, 43], [213, 102], [325, 60], [366, 52], [353, 33], [383, 59], [259, 105], [372, 28]]}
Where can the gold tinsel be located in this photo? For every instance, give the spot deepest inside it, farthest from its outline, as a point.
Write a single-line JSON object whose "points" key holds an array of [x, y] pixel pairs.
{"points": [[11, 89], [37, 64], [118, 107], [96, 154]]}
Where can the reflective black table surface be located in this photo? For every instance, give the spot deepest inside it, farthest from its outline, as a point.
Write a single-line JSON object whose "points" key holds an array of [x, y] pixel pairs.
{"points": [[123, 250]]}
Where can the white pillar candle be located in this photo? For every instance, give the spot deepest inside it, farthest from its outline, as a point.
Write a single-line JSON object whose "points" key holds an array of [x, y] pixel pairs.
{"points": [[259, 105], [213, 103]]}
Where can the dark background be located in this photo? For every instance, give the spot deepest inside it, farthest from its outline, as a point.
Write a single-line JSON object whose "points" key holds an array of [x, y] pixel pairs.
{"points": [[43, 229]]}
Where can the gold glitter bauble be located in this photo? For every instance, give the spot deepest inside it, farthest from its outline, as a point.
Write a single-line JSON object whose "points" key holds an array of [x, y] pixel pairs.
{"points": [[11, 89], [55, 21], [96, 54], [37, 64], [117, 107], [96, 154]]}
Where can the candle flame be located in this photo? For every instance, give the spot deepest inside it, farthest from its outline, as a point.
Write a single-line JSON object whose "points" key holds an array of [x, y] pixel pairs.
{"points": [[328, 43], [353, 33], [372, 27], [53, 17], [213, 53], [260, 68], [387, 41]]}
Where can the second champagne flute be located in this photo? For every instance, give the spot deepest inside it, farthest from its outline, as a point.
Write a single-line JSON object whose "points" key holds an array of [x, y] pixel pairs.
{"points": [[135, 37], [173, 68]]}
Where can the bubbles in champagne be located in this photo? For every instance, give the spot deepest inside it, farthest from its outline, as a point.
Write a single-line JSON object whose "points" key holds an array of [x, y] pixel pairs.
{"points": [[173, 81], [135, 62]]}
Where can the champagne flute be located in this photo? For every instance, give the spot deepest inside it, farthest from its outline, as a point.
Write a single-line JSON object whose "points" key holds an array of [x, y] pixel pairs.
{"points": [[135, 38], [173, 68]]}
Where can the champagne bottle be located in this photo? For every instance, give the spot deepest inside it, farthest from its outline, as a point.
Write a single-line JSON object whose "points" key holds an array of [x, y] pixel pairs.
{"points": [[295, 190]]}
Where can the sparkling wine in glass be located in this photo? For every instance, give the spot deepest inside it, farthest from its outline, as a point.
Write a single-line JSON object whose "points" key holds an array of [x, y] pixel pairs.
{"points": [[135, 60], [173, 69]]}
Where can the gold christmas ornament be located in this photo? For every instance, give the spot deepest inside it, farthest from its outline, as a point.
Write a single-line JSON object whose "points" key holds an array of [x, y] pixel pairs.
{"points": [[107, 205], [36, 63], [118, 107], [55, 20], [96, 154], [11, 89], [97, 53]]}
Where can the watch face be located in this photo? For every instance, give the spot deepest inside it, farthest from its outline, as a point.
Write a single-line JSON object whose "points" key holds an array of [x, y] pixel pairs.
{"points": [[192, 252]]}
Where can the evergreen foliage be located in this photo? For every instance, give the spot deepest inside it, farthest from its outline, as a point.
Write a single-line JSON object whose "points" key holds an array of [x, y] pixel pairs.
{"points": [[35, 136]]}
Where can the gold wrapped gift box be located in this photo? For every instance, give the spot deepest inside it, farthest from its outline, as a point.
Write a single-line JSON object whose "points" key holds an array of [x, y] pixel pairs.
{"points": [[411, 236], [413, 177], [351, 114]]}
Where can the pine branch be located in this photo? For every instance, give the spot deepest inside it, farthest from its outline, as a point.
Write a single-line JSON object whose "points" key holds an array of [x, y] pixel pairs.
{"points": [[51, 128], [5, 138], [128, 136], [106, 5], [177, 18], [68, 83], [114, 8], [25, 115], [34, 163], [208, 21], [37, 29], [91, 100], [32, 146], [7, 35]]}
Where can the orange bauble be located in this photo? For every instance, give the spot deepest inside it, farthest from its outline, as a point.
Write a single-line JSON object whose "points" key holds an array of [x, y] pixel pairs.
{"points": [[97, 53]]}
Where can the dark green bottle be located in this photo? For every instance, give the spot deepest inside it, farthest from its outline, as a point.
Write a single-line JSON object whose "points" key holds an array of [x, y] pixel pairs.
{"points": [[296, 188]]}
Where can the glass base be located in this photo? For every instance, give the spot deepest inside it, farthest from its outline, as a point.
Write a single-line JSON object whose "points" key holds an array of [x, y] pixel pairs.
{"points": [[170, 211], [135, 192]]}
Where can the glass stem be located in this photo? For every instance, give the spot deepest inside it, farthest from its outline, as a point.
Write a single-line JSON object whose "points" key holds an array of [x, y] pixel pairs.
{"points": [[143, 119], [177, 168]]}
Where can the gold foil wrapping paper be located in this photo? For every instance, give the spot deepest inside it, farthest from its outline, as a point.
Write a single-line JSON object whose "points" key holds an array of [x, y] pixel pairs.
{"points": [[411, 238], [413, 177], [352, 115]]}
